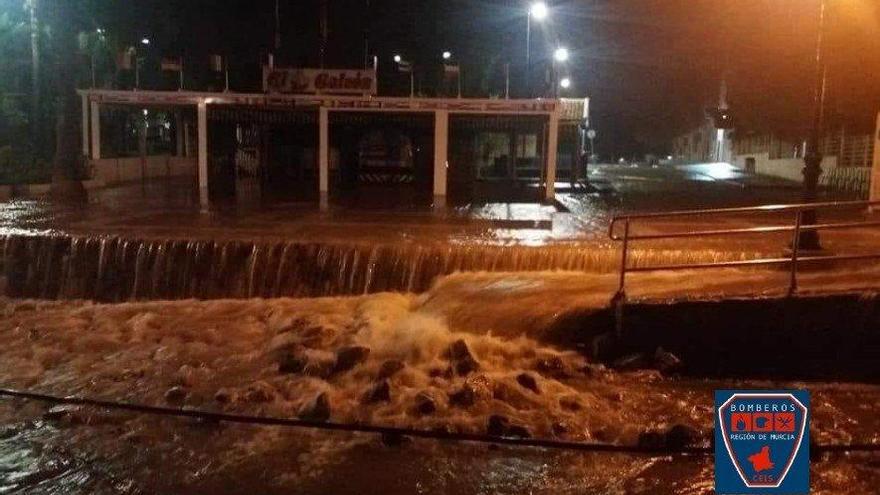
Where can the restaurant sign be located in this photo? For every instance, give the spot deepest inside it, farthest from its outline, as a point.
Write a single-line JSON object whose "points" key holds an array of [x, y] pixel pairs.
{"points": [[319, 81]]}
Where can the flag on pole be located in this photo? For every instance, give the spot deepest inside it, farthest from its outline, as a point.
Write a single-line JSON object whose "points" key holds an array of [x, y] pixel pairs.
{"points": [[124, 58], [451, 69], [172, 64], [216, 63]]}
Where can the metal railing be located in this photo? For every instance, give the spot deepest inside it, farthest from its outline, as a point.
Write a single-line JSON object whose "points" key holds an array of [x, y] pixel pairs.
{"points": [[796, 227]]}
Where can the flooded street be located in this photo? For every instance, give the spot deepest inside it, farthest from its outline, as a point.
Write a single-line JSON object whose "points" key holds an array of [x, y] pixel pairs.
{"points": [[457, 322]]}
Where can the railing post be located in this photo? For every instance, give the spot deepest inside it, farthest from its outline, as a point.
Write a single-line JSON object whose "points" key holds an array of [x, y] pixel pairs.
{"points": [[619, 299], [795, 246]]}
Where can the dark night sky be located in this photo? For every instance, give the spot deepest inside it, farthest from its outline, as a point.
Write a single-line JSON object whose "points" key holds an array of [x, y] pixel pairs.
{"points": [[650, 67]]}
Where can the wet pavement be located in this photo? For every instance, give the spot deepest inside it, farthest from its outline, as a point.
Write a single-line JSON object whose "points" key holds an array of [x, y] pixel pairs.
{"points": [[164, 209]]}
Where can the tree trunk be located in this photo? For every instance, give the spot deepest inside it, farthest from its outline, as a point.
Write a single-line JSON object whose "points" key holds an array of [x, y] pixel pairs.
{"points": [[67, 164]]}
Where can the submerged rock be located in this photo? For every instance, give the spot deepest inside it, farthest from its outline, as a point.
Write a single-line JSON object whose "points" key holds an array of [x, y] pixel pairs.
{"points": [[349, 357], [320, 367], [666, 361], [554, 367], [223, 396], [66, 413], [425, 403], [441, 372], [316, 410], [560, 428], [462, 360], [497, 425], [259, 391], [390, 368], [630, 362], [500, 426], [653, 440], [571, 403], [528, 381], [681, 436], [463, 397], [380, 392], [394, 439], [518, 431], [292, 362], [176, 394]]}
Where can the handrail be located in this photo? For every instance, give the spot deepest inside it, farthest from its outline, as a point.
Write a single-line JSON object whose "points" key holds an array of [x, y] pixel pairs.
{"points": [[839, 205], [796, 227]]}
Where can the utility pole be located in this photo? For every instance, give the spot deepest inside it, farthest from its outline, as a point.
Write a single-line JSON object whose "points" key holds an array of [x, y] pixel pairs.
{"points": [[809, 238], [277, 26], [36, 97], [322, 47], [367, 35]]}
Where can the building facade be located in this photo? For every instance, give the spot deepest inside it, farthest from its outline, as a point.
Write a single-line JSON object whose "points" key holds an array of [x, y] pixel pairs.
{"points": [[322, 146]]}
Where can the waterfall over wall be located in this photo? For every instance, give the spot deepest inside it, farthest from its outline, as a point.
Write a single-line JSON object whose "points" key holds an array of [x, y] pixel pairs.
{"points": [[117, 269]]}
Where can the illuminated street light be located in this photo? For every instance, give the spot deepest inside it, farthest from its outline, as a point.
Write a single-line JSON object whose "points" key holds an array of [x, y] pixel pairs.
{"points": [[565, 83], [397, 58], [447, 55], [561, 54], [145, 41], [539, 11]]}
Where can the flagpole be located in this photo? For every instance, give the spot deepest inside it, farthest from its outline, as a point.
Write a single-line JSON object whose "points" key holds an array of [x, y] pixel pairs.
{"points": [[226, 77]]}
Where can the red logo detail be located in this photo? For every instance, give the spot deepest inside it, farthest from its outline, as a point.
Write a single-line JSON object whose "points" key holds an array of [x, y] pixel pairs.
{"points": [[762, 422], [783, 422], [741, 422], [761, 460]]}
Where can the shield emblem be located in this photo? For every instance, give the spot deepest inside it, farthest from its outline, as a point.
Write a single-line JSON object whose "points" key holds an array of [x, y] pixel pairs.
{"points": [[761, 441]]}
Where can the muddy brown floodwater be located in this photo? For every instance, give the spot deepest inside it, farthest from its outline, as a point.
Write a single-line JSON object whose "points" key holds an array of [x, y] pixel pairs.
{"points": [[276, 357], [428, 322]]}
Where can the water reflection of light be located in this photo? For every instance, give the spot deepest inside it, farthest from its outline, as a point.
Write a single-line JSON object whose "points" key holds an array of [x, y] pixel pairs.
{"points": [[710, 171]]}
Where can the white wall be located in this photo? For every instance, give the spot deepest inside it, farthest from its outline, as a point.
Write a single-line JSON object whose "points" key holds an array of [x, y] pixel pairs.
{"points": [[784, 168], [116, 170]]}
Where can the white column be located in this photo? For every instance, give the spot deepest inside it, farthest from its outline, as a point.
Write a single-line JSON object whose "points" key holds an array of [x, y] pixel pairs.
{"points": [[96, 130], [875, 167], [85, 124], [552, 143], [203, 152], [441, 150], [178, 132], [187, 138], [323, 156]]}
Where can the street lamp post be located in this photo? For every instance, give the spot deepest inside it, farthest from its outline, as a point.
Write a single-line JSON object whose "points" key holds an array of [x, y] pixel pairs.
{"points": [[538, 10], [560, 56], [809, 238]]}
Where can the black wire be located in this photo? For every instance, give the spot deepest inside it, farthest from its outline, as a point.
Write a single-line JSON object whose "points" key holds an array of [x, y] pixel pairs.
{"points": [[393, 431]]}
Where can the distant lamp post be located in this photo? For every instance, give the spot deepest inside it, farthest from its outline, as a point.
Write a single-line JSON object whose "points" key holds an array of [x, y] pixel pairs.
{"points": [[539, 11], [406, 66], [560, 54], [447, 55], [809, 238], [145, 41]]}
